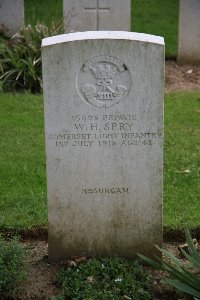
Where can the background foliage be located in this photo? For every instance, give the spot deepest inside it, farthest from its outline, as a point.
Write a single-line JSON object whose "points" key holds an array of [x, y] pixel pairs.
{"points": [[20, 58], [157, 17]]}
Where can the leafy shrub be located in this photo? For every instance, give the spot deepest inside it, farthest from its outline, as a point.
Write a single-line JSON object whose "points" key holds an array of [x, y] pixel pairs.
{"points": [[184, 277], [105, 279], [20, 58], [12, 266]]}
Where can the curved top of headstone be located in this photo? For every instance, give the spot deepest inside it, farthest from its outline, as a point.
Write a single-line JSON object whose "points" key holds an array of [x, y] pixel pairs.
{"points": [[95, 35]]}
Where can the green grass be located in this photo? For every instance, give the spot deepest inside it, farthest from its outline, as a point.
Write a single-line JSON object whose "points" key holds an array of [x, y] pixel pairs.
{"points": [[22, 162], [157, 17], [182, 152], [43, 11]]}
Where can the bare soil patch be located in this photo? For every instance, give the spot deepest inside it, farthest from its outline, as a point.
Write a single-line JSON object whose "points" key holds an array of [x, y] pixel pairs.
{"points": [[41, 282], [181, 77]]}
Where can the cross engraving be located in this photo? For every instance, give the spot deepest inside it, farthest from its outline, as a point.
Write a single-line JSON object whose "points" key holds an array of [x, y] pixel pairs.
{"points": [[97, 9]]}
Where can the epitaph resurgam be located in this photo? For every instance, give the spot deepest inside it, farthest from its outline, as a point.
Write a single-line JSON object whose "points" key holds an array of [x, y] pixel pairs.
{"points": [[103, 94]]}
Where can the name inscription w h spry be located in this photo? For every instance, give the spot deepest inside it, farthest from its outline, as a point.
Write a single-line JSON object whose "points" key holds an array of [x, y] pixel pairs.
{"points": [[105, 130]]}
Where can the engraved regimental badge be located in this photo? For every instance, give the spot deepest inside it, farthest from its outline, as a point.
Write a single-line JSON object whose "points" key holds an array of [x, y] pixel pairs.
{"points": [[103, 81]]}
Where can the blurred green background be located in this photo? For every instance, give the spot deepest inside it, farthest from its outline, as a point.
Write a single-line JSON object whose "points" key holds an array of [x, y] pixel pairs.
{"points": [[157, 17]]}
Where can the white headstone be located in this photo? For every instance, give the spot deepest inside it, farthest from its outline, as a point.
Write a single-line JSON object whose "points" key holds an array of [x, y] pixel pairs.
{"points": [[189, 31], [103, 96], [11, 16], [84, 15]]}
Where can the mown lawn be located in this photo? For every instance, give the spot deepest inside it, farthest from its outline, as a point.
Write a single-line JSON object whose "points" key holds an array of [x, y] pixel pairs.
{"points": [[157, 17], [23, 201], [44, 11], [182, 160], [22, 161]]}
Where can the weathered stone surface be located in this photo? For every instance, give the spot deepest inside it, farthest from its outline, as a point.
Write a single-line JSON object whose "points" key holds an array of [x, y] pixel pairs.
{"points": [[189, 31], [84, 15], [103, 128], [11, 16]]}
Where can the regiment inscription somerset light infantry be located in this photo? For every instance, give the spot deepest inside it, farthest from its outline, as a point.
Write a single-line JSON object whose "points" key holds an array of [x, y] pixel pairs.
{"points": [[103, 81], [103, 99]]}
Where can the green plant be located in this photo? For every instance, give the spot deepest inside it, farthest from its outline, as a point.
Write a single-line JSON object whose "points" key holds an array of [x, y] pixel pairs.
{"points": [[12, 266], [106, 279], [184, 277], [20, 58]]}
